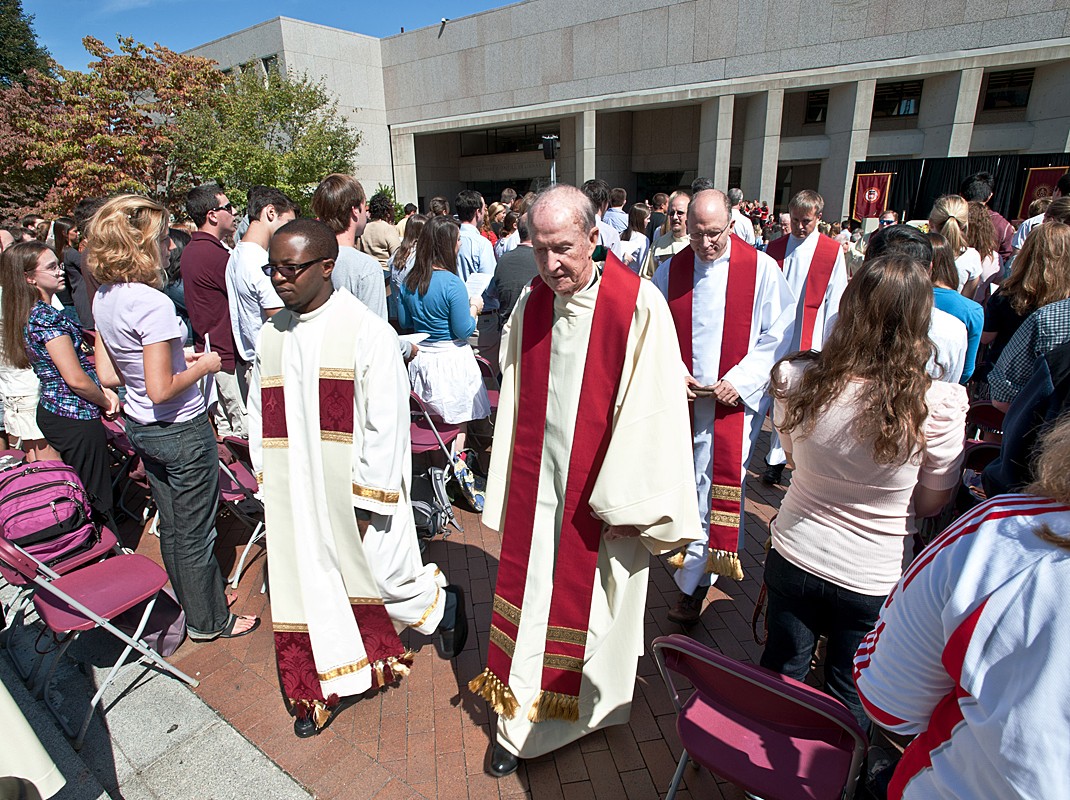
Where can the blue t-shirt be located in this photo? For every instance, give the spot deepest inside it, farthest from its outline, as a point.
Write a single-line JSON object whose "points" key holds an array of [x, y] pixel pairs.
{"points": [[973, 317], [443, 313]]}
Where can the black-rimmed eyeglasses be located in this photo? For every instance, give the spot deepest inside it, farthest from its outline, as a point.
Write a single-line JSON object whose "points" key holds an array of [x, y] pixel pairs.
{"points": [[229, 208], [289, 271]]}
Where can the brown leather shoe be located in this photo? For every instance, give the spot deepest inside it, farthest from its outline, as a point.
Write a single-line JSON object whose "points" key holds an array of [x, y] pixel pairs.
{"points": [[688, 607]]}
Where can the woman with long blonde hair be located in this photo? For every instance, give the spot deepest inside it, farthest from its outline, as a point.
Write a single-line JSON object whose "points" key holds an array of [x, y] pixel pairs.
{"points": [[166, 418], [950, 217], [875, 443]]}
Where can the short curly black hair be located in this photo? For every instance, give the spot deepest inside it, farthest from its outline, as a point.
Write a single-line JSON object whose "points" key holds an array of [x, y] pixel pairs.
{"points": [[381, 207]]}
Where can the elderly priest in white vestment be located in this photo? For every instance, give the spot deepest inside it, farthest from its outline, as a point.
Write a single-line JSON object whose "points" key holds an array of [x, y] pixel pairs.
{"points": [[734, 316], [329, 438], [590, 474]]}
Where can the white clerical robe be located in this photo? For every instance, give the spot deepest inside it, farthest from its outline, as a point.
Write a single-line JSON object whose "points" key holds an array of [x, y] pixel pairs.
{"points": [[661, 250], [772, 323], [644, 482], [304, 554], [799, 254]]}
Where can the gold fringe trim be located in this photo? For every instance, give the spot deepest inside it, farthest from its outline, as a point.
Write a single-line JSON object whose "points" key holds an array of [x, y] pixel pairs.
{"points": [[488, 686], [554, 705], [722, 562], [388, 670], [676, 560]]}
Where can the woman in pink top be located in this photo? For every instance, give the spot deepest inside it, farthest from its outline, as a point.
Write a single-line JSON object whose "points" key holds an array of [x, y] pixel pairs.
{"points": [[166, 419], [875, 444]]}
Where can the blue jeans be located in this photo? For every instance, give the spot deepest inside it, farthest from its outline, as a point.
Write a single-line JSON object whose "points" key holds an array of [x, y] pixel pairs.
{"points": [[801, 608], [182, 463]]}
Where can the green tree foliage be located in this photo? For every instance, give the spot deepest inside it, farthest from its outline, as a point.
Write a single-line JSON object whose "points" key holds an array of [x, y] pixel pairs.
{"points": [[20, 50], [113, 128], [275, 130]]}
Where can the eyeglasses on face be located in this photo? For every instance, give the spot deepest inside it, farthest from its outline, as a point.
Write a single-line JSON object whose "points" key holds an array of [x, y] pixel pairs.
{"points": [[289, 271], [55, 269], [887, 222], [229, 208], [708, 237]]}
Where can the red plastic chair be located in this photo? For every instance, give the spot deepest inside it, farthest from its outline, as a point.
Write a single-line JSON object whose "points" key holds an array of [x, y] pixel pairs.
{"points": [[90, 598], [428, 435], [770, 735]]}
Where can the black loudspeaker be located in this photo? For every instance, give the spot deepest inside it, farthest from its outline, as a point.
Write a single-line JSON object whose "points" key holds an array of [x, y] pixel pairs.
{"points": [[549, 147]]}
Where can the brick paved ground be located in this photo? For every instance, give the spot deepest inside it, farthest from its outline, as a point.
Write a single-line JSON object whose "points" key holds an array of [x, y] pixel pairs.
{"points": [[428, 737]]}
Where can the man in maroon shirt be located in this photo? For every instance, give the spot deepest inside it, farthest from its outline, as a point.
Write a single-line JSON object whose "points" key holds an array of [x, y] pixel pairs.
{"points": [[204, 268]]}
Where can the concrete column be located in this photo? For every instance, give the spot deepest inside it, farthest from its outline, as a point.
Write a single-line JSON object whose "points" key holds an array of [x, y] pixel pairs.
{"points": [[403, 156], [761, 144], [715, 139], [948, 108], [585, 147], [847, 127]]}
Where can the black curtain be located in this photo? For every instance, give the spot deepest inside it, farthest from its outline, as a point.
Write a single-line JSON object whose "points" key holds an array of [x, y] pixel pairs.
{"points": [[917, 182], [906, 174]]}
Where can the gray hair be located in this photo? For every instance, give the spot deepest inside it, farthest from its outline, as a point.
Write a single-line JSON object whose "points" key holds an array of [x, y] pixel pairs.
{"points": [[568, 196], [735, 196]]}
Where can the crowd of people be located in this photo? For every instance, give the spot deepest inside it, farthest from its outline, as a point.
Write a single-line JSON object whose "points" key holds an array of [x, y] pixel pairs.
{"points": [[660, 334]]}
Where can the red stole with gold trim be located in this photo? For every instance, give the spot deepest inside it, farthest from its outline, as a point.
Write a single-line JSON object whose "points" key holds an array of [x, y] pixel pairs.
{"points": [[581, 532], [728, 421], [817, 279]]}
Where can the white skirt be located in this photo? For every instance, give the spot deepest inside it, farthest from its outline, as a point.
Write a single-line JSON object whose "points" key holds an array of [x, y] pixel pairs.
{"points": [[447, 378]]}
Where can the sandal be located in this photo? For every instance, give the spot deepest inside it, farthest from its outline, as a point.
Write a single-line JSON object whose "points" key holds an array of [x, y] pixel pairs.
{"points": [[228, 631]]}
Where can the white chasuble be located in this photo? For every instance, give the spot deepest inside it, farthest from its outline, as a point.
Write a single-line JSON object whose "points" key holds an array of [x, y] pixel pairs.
{"points": [[772, 323], [329, 434], [645, 481]]}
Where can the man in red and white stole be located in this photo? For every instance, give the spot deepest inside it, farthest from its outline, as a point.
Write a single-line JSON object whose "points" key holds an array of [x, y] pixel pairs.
{"points": [[589, 475], [734, 315], [329, 438], [815, 269]]}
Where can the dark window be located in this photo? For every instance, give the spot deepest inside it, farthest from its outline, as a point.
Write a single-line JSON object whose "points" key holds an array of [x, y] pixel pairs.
{"points": [[817, 106], [1008, 89], [271, 64], [516, 139], [901, 99]]}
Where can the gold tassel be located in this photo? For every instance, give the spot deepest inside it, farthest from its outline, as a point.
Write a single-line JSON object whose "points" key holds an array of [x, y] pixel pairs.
{"points": [[676, 560], [320, 714], [488, 686], [555, 705], [723, 562]]}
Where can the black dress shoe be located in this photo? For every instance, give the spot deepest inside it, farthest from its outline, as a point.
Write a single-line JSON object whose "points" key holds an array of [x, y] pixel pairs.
{"points": [[502, 762], [772, 474], [450, 641], [305, 728]]}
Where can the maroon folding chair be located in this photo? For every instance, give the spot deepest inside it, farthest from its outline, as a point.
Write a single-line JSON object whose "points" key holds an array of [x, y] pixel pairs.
{"points": [[428, 436], [237, 493], [772, 736], [490, 381], [88, 598]]}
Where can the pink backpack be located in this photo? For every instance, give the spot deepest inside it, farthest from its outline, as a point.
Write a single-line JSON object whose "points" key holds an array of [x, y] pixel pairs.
{"points": [[45, 510]]}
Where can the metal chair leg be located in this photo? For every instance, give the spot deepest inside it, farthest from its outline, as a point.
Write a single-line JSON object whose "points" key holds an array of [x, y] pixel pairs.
{"points": [[677, 778]]}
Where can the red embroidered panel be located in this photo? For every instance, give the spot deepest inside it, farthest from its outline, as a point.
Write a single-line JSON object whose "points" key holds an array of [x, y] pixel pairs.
{"points": [[273, 410], [297, 667], [336, 405], [377, 632]]}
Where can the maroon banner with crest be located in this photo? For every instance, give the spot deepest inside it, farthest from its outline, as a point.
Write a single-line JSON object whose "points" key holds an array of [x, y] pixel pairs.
{"points": [[1039, 184], [871, 194]]}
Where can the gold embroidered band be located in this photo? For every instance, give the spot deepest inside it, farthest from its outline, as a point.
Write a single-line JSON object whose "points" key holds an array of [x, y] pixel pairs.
{"points": [[507, 610], [336, 436], [336, 373], [569, 663], [502, 640], [724, 518], [270, 381], [366, 601], [380, 495], [280, 443], [720, 492], [345, 669], [567, 635], [430, 608], [289, 627]]}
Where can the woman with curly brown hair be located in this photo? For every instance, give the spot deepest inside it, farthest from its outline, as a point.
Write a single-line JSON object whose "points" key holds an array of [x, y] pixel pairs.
{"points": [[1040, 275], [875, 444]]}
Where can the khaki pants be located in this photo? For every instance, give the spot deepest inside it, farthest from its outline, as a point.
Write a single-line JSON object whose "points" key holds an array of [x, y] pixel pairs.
{"points": [[229, 414]]}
